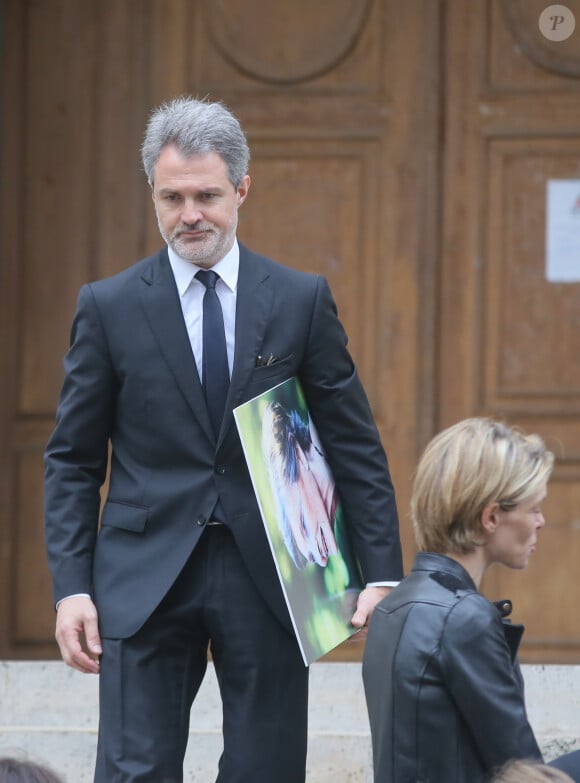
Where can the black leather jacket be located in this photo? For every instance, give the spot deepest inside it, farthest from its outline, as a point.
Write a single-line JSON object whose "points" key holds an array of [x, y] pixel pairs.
{"points": [[443, 687]]}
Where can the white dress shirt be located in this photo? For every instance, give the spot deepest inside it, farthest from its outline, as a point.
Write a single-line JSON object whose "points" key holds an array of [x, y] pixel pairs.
{"points": [[191, 293]]}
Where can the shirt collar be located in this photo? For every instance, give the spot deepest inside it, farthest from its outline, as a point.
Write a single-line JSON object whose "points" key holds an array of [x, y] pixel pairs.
{"points": [[227, 268]]}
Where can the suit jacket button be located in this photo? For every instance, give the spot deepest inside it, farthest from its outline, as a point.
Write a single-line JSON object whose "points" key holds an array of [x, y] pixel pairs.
{"points": [[221, 469], [201, 521]]}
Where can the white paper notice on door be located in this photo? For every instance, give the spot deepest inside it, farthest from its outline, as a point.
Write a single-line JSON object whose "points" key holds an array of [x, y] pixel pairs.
{"points": [[563, 230]]}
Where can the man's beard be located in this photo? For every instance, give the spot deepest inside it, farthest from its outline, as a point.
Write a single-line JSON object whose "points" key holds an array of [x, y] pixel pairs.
{"points": [[196, 250]]}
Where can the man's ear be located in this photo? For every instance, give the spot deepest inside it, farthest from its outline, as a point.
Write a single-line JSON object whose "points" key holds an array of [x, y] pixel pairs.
{"points": [[490, 517], [242, 190]]}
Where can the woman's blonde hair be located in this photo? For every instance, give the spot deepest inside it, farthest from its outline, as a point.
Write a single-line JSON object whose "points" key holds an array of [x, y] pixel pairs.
{"points": [[464, 468], [529, 772]]}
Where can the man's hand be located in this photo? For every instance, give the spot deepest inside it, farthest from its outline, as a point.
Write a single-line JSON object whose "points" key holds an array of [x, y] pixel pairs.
{"points": [[365, 605], [77, 634]]}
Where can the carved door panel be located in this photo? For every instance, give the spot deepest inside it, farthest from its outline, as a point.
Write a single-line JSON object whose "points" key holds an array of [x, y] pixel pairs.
{"points": [[509, 337], [340, 100]]}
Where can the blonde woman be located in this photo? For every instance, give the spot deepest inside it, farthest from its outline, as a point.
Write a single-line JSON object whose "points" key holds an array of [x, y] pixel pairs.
{"points": [[442, 683]]}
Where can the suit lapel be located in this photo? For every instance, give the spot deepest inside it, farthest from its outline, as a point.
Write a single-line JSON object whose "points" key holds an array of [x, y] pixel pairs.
{"points": [[253, 312], [162, 308]]}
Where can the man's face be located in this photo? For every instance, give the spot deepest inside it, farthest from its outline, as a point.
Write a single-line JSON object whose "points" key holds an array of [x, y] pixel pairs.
{"points": [[196, 205]]}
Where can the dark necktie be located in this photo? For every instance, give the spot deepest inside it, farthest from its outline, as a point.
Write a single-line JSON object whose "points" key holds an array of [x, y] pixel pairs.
{"points": [[215, 373]]}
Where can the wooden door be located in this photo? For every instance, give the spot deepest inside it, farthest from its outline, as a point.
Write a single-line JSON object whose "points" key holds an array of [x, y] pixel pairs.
{"points": [[341, 102], [72, 209], [509, 338], [401, 149]]}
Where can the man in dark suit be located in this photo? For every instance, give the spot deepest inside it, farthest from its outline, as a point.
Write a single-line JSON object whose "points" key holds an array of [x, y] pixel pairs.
{"points": [[180, 560]]}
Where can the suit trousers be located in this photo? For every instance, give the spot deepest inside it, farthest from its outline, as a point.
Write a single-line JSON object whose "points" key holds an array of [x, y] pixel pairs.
{"points": [[148, 682]]}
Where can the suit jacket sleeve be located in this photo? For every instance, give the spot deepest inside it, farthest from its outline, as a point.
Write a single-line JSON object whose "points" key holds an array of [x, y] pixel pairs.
{"points": [[342, 415], [76, 455]]}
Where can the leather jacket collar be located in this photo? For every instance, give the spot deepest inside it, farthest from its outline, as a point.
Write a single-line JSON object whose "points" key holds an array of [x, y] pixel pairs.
{"points": [[453, 576]]}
